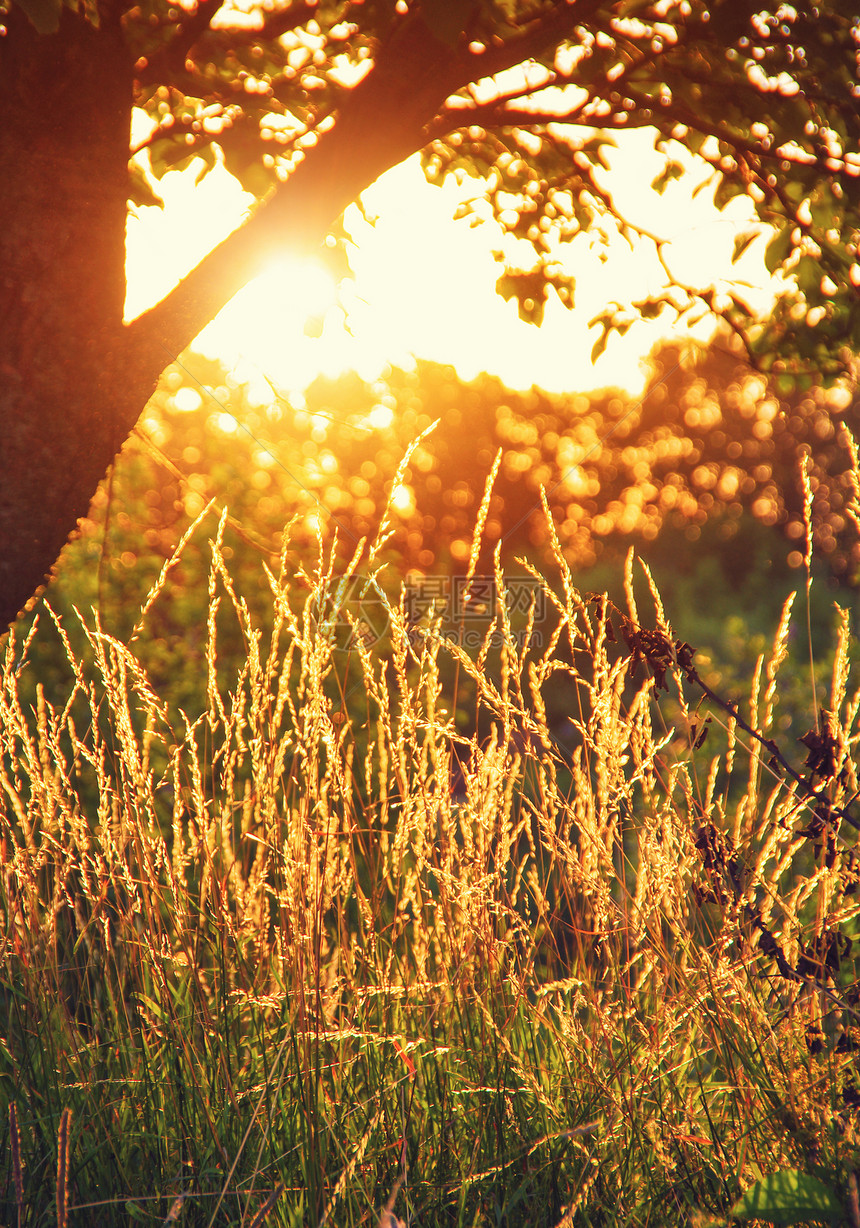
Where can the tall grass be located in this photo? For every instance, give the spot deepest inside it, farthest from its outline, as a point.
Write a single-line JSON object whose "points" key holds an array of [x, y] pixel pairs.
{"points": [[311, 955]]}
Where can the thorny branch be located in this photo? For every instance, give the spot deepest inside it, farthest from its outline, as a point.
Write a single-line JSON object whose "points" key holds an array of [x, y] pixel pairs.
{"points": [[821, 750], [659, 653], [818, 962]]}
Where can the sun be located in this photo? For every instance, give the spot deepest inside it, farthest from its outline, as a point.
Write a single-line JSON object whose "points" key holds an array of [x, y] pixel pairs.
{"points": [[268, 321], [269, 318], [423, 284]]}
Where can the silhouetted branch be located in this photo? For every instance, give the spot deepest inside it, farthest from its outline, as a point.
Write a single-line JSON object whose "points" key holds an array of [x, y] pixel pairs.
{"points": [[382, 120], [684, 660], [659, 653], [167, 66]]}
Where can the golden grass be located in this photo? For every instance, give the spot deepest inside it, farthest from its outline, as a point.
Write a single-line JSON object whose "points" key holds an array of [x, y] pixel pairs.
{"points": [[613, 965]]}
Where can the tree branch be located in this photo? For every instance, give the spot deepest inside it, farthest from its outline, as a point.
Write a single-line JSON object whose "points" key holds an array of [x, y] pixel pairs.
{"points": [[167, 66], [536, 38], [170, 59], [382, 121]]}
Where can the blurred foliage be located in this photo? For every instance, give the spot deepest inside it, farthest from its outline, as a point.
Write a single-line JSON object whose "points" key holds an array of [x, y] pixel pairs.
{"points": [[700, 475], [710, 451]]}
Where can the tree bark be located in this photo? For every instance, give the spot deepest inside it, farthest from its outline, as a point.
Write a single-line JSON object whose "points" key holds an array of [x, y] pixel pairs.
{"points": [[73, 378], [65, 114]]}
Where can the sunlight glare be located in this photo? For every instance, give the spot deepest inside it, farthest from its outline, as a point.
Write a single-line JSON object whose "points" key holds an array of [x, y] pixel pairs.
{"points": [[423, 284], [186, 400], [380, 417], [270, 315], [403, 499]]}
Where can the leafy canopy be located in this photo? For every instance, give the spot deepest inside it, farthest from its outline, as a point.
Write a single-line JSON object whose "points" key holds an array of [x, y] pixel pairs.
{"points": [[766, 95]]}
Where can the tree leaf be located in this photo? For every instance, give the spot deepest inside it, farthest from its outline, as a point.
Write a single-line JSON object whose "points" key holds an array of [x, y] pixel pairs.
{"points": [[670, 172], [777, 249], [140, 190], [529, 288], [600, 345], [594, 148], [742, 242], [790, 1197], [808, 273]]}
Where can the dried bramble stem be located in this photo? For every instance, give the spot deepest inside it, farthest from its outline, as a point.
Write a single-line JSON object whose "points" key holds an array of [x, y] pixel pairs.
{"points": [[659, 653], [777, 757]]}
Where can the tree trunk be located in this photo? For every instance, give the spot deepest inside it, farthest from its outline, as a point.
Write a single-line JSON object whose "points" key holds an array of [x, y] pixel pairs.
{"points": [[73, 378], [65, 102]]}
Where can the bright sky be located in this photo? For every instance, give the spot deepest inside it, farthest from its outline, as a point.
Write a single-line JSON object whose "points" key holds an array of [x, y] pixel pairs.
{"points": [[423, 284]]}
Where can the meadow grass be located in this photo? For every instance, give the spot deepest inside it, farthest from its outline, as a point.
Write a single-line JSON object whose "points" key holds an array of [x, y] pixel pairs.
{"points": [[314, 954]]}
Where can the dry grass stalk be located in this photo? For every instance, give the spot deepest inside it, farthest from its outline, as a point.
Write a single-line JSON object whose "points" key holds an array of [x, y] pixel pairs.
{"points": [[63, 1158], [262, 1215], [15, 1141], [293, 857]]}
